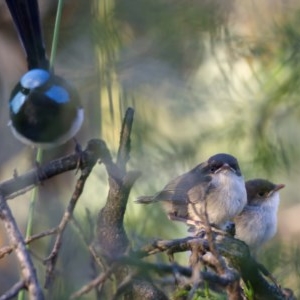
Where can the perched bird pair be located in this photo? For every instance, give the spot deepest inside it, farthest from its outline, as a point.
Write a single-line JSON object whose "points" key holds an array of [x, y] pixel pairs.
{"points": [[216, 190]]}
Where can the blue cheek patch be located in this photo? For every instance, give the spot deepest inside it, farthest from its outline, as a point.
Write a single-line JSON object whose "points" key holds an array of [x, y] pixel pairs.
{"points": [[17, 102], [34, 78], [58, 94]]}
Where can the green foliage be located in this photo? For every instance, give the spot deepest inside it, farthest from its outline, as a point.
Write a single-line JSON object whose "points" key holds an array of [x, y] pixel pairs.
{"points": [[248, 290], [204, 293], [175, 27]]}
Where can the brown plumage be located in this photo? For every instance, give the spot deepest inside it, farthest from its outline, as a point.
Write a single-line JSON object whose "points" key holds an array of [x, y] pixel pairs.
{"points": [[216, 184]]}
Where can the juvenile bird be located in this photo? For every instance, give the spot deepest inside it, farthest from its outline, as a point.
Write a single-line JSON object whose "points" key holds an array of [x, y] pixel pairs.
{"points": [[257, 223], [216, 185]]}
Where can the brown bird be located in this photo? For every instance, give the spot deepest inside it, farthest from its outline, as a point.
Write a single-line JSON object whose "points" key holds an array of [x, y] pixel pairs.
{"points": [[216, 185], [257, 223]]}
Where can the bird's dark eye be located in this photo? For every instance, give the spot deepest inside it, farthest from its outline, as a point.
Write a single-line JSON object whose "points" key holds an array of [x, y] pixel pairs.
{"points": [[214, 168], [261, 194]]}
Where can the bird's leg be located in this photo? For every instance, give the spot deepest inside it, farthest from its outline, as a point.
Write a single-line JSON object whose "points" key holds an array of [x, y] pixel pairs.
{"points": [[198, 227], [37, 163], [174, 217], [15, 174], [79, 152]]}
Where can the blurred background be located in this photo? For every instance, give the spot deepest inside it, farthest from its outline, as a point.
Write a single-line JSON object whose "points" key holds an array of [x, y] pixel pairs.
{"points": [[203, 76]]}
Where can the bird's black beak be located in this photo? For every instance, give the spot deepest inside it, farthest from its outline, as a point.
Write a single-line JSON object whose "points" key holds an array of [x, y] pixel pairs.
{"points": [[226, 166]]}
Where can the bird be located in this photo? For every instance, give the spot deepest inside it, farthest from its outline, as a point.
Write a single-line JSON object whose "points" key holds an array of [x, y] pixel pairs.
{"points": [[257, 223], [215, 186], [44, 108]]}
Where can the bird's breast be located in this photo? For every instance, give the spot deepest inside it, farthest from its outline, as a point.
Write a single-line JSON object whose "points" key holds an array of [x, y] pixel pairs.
{"points": [[228, 197]]}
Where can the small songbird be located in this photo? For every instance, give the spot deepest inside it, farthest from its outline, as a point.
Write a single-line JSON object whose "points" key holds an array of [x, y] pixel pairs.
{"points": [[257, 223], [45, 110], [216, 185]]}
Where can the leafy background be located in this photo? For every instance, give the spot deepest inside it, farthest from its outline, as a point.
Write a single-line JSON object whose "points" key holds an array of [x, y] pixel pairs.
{"points": [[203, 77]]}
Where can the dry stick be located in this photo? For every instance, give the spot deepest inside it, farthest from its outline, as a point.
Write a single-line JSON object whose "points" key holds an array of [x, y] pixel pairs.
{"points": [[96, 149], [8, 249], [11, 188], [14, 290], [234, 250], [50, 261], [133, 262], [143, 267], [94, 283], [94, 257], [27, 268], [111, 234], [176, 245], [174, 268], [124, 147], [112, 240], [239, 256], [233, 289], [86, 239], [222, 280], [165, 268], [127, 281]]}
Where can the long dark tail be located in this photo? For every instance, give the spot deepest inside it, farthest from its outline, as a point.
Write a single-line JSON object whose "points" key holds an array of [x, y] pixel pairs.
{"points": [[25, 14]]}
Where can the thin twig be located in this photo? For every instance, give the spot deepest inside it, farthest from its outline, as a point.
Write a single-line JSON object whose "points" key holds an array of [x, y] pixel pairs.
{"points": [[14, 290], [86, 239], [94, 283], [124, 285], [27, 268], [124, 147], [50, 261], [8, 249], [176, 245], [234, 250], [233, 288]]}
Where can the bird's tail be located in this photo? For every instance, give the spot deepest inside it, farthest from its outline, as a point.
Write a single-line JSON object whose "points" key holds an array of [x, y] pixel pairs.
{"points": [[145, 200], [25, 14]]}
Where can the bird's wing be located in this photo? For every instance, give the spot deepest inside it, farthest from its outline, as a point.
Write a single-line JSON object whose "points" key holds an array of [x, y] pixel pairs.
{"points": [[200, 190], [185, 186]]}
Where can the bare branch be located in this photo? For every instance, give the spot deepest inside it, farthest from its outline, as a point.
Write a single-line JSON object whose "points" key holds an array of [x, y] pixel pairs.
{"points": [[27, 268], [96, 149], [8, 249], [172, 246], [124, 147], [235, 251], [14, 290], [50, 261], [124, 285], [94, 283], [110, 226], [111, 240], [233, 289]]}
